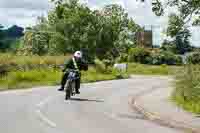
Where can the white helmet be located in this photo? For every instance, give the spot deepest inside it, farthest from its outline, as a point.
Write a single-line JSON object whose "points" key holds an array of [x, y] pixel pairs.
{"points": [[78, 54]]}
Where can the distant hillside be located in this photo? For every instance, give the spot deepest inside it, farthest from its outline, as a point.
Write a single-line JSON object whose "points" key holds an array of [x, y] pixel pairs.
{"points": [[9, 37]]}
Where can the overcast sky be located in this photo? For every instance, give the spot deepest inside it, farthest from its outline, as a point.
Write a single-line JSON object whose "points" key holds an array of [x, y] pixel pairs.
{"points": [[25, 12], [22, 12]]}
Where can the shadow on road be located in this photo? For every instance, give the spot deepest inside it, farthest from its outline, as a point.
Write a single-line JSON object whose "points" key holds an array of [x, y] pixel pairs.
{"points": [[85, 100]]}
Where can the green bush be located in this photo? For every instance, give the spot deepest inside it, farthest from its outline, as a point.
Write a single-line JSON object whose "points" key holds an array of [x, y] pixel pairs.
{"points": [[138, 55], [123, 58], [119, 74], [164, 57], [194, 58], [141, 55], [154, 59], [107, 63], [179, 60], [100, 66]]}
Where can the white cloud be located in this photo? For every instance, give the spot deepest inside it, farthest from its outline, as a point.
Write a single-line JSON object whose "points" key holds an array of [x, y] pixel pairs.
{"points": [[28, 4], [22, 12], [25, 12]]}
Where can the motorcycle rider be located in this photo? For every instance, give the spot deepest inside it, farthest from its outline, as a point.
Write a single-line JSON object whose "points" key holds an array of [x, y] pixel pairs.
{"points": [[75, 63]]}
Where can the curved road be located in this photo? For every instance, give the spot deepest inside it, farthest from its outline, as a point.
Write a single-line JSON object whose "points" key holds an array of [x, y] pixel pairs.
{"points": [[101, 108]]}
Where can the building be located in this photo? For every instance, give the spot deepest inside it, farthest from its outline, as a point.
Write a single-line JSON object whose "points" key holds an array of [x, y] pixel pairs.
{"points": [[145, 38]]}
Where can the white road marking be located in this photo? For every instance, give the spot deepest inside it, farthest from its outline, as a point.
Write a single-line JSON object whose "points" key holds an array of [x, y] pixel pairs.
{"points": [[112, 116], [39, 113], [45, 119], [45, 101]]}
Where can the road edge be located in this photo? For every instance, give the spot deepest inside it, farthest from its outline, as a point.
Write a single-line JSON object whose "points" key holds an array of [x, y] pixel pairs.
{"points": [[161, 120]]}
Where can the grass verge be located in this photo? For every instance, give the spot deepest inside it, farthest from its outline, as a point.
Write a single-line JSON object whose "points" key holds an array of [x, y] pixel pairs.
{"points": [[10, 59], [49, 76], [45, 77], [152, 69], [187, 92]]}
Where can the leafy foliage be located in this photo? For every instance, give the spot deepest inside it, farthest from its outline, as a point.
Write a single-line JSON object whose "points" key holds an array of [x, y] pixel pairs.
{"points": [[164, 57], [182, 42], [144, 56], [194, 58], [139, 55], [188, 9], [176, 24], [71, 26], [9, 37], [180, 35]]}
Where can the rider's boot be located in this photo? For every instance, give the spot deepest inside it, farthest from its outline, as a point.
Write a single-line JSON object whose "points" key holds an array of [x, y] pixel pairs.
{"points": [[77, 91], [61, 89]]}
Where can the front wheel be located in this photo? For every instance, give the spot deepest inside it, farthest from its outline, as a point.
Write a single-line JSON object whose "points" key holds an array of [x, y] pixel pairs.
{"points": [[68, 89]]}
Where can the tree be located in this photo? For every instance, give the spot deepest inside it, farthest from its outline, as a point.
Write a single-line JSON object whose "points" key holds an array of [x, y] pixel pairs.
{"points": [[35, 42], [175, 25], [14, 31], [179, 33], [168, 46], [71, 26], [189, 10], [9, 36], [123, 28], [1, 36], [182, 41], [1, 32]]}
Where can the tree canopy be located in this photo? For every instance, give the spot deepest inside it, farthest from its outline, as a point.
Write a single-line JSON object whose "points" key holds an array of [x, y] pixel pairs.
{"points": [[188, 10], [9, 36], [188, 13], [71, 26]]}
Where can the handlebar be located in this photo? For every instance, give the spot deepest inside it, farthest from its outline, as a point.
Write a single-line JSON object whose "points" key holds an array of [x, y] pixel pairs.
{"points": [[73, 70]]}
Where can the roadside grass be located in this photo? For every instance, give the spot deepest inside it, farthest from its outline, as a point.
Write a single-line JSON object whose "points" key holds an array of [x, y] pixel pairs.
{"points": [[31, 71], [10, 59], [50, 77], [152, 69], [26, 79], [93, 75], [187, 91]]}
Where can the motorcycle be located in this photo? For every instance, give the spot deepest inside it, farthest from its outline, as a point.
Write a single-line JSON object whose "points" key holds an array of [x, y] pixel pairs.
{"points": [[70, 86]]}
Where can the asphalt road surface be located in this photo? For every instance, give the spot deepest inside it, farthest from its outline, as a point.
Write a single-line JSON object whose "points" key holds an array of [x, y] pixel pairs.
{"points": [[100, 108]]}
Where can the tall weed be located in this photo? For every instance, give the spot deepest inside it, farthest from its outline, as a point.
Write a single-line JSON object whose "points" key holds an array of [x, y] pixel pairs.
{"points": [[187, 92]]}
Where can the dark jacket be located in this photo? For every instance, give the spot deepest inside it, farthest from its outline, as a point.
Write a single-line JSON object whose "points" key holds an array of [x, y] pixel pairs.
{"points": [[82, 65]]}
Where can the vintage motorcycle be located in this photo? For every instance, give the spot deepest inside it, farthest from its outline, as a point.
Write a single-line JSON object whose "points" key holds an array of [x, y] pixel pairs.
{"points": [[70, 86]]}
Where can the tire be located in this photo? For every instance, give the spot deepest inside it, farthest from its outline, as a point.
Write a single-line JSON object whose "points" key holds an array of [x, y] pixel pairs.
{"points": [[68, 90], [73, 87]]}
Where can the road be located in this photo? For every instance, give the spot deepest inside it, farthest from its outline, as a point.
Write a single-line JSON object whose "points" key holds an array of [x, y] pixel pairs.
{"points": [[101, 108]]}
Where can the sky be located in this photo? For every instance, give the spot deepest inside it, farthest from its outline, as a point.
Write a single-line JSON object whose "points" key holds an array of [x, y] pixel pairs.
{"points": [[25, 12], [22, 12]]}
